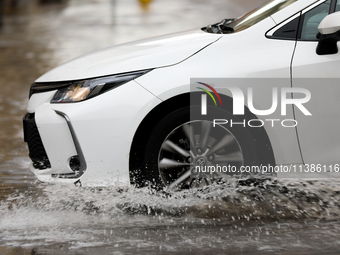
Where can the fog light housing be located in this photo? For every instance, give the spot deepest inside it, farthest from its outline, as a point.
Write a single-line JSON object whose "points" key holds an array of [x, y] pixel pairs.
{"points": [[74, 163]]}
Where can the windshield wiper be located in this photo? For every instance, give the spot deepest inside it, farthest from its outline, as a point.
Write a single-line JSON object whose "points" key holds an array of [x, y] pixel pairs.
{"points": [[220, 27]]}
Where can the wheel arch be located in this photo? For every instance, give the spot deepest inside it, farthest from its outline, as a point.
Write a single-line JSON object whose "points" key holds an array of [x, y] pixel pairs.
{"points": [[145, 128]]}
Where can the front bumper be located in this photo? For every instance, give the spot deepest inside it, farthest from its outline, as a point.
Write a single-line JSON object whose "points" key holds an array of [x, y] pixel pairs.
{"points": [[96, 132]]}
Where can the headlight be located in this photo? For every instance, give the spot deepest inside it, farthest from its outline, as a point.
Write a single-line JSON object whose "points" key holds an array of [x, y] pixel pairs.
{"points": [[85, 89]]}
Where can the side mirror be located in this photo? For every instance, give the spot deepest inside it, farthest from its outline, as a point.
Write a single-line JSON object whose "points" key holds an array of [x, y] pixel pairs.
{"points": [[329, 35]]}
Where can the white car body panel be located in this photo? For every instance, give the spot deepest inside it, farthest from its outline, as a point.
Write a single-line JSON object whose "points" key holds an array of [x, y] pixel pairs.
{"points": [[273, 64], [151, 53], [320, 75], [109, 157]]}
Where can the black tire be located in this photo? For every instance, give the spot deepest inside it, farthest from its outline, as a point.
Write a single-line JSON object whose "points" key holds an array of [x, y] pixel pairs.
{"points": [[171, 135]]}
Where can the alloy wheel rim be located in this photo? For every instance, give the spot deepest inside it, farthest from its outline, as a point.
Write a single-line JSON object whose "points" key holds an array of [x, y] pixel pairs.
{"points": [[195, 154]]}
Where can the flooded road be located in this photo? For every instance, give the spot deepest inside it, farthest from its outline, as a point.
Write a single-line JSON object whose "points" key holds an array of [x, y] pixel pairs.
{"points": [[279, 217]]}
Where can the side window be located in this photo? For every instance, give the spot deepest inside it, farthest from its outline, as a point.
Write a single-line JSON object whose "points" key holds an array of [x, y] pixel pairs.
{"points": [[312, 19], [337, 7], [288, 31]]}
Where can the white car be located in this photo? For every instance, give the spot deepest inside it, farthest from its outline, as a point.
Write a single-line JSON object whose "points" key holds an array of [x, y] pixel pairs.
{"points": [[258, 91]]}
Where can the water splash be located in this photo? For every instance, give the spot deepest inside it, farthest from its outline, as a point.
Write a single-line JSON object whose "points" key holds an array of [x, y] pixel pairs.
{"points": [[268, 200], [81, 218]]}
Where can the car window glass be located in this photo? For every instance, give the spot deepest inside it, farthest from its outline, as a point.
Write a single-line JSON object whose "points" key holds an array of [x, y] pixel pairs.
{"points": [[259, 14], [288, 31], [337, 7], [312, 20]]}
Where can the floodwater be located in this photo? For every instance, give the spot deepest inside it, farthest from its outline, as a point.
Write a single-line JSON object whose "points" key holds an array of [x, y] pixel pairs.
{"points": [[276, 217]]}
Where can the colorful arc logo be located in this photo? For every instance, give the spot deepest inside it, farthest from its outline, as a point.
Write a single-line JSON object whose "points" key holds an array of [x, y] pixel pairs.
{"points": [[204, 97]]}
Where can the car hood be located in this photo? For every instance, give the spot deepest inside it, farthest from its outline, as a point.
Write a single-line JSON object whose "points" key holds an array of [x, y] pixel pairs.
{"points": [[145, 54]]}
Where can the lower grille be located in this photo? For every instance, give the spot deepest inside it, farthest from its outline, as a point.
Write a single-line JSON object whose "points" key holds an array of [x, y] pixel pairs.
{"points": [[36, 148]]}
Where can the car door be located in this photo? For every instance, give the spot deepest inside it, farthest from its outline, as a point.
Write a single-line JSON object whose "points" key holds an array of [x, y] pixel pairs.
{"points": [[319, 134]]}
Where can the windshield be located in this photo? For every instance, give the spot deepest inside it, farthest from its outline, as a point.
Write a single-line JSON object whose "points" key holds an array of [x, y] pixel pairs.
{"points": [[250, 19], [259, 14]]}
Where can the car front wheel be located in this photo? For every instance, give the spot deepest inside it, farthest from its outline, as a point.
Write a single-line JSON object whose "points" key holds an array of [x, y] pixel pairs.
{"points": [[186, 150]]}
